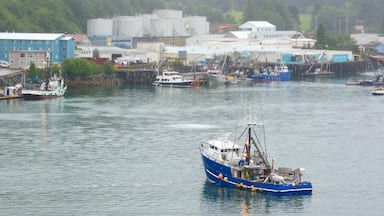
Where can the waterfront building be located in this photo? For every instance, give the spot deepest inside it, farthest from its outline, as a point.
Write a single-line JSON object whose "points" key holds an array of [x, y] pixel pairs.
{"points": [[21, 49], [260, 41], [80, 39]]}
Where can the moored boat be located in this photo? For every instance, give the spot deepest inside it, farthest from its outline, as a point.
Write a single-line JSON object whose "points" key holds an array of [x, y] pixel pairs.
{"points": [[377, 80], [10, 92], [246, 166], [53, 88], [378, 91], [215, 76], [172, 79], [277, 73], [318, 72]]}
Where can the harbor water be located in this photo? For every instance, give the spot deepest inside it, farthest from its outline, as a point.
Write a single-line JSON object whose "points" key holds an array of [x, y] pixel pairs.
{"points": [[134, 150]]}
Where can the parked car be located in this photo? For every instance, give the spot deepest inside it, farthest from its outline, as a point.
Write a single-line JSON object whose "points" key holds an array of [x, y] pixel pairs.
{"points": [[4, 64]]}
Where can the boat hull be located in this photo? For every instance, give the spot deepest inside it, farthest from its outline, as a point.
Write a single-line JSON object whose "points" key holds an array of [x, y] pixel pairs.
{"points": [[220, 174], [322, 74], [42, 95], [378, 92], [174, 84], [216, 79], [371, 83], [9, 97], [280, 76]]}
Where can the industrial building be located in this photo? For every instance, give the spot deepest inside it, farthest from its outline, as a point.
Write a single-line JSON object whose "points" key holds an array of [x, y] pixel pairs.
{"points": [[22, 49]]}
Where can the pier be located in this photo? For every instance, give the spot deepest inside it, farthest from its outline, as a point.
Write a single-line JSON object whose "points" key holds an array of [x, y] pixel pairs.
{"points": [[146, 75]]}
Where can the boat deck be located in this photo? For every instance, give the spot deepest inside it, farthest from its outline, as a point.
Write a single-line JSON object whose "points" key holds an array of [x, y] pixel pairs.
{"points": [[9, 97]]}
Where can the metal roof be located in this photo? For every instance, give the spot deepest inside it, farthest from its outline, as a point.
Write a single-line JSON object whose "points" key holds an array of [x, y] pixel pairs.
{"points": [[257, 24], [67, 38], [28, 36], [238, 34]]}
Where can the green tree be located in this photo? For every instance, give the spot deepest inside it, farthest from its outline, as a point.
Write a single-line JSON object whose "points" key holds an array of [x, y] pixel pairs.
{"points": [[33, 70], [321, 37], [295, 14], [108, 67], [96, 53], [55, 69], [250, 11], [79, 67]]}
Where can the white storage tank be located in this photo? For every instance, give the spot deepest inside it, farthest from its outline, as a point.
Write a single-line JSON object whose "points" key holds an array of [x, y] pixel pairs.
{"points": [[196, 25], [128, 26], [99, 26], [162, 27], [168, 24], [148, 29]]}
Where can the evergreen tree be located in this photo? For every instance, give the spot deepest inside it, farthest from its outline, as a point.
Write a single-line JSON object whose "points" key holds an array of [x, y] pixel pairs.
{"points": [[321, 37]]}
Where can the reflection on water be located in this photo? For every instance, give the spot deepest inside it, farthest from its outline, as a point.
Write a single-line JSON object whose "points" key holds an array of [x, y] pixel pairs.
{"points": [[243, 202], [134, 150]]}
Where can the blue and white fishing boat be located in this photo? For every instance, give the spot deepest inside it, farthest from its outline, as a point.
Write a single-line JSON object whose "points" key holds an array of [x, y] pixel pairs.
{"points": [[246, 166], [277, 73]]}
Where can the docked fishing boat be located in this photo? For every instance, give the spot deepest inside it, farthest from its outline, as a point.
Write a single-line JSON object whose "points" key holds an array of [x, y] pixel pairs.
{"points": [[277, 73], [378, 91], [368, 82], [377, 80], [246, 166], [52, 88], [172, 79], [215, 76]]}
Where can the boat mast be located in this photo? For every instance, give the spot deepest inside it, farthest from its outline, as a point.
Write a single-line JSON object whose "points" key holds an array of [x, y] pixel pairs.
{"points": [[222, 65], [47, 70], [261, 153], [251, 124], [248, 147]]}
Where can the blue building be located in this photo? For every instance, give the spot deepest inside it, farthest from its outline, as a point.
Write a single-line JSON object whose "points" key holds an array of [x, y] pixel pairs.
{"points": [[21, 49]]}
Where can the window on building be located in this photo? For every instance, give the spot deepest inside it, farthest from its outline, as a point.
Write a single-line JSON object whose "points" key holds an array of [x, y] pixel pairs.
{"points": [[22, 55]]}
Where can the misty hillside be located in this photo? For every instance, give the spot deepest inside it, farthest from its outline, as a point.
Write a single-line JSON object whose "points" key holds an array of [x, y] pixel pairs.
{"points": [[337, 16]]}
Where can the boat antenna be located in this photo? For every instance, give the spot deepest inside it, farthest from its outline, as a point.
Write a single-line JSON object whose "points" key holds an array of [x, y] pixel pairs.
{"points": [[47, 70], [224, 62]]}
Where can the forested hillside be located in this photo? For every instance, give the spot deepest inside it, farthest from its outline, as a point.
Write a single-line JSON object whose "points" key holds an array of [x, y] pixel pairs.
{"points": [[337, 16]]}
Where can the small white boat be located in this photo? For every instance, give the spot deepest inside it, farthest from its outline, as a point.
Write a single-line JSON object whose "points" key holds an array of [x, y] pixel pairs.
{"points": [[172, 79], [378, 91], [10, 92]]}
